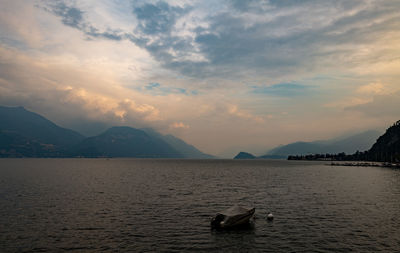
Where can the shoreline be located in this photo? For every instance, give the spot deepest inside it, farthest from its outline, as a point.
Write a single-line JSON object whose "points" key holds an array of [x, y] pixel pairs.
{"points": [[366, 164]]}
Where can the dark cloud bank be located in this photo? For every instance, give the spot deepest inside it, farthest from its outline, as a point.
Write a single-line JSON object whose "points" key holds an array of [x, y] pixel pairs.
{"points": [[294, 38]]}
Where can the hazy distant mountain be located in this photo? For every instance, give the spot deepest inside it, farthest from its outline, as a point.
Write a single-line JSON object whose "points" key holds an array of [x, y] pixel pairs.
{"points": [[351, 144], [25, 133], [125, 142], [244, 155], [297, 148], [187, 150], [272, 157], [385, 149]]}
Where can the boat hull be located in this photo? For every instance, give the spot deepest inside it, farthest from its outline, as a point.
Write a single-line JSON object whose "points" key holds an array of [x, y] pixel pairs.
{"points": [[232, 217]]}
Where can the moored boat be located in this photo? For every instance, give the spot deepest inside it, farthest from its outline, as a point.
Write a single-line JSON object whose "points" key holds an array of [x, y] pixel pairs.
{"points": [[232, 217]]}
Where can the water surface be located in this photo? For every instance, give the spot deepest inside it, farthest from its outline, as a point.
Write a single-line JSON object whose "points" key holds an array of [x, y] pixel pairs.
{"points": [[140, 205]]}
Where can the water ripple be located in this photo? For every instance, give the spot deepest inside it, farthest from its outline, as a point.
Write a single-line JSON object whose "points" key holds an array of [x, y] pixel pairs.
{"points": [[138, 205]]}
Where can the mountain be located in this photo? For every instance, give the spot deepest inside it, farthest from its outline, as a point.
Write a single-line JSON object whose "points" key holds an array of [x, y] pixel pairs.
{"points": [[297, 148], [272, 157], [15, 145], [34, 126], [28, 134], [187, 150], [387, 147], [25, 133], [362, 141], [125, 142], [244, 155]]}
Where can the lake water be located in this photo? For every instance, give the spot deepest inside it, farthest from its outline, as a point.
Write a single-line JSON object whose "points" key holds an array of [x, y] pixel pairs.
{"points": [[138, 205]]}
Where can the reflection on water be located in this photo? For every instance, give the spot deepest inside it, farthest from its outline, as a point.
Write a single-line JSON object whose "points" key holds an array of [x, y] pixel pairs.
{"points": [[136, 205], [241, 238]]}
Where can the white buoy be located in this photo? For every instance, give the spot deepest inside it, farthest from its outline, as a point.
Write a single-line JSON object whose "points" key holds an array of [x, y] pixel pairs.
{"points": [[270, 216]]}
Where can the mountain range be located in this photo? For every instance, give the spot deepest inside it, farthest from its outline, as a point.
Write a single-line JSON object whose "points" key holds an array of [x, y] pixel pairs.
{"points": [[350, 144], [385, 149], [28, 134]]}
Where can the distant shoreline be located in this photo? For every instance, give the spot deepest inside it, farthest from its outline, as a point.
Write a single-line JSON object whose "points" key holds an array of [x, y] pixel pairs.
{"points": [[366, 164]]}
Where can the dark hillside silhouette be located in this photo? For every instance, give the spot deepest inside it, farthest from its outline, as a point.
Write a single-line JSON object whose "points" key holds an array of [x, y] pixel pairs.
{"points": [[385, 149]]}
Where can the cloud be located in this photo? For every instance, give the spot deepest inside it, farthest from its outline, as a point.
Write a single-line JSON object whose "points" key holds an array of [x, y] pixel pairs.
{"points": [[374, 89], [157, 32], [158, 18], [68, 94], [179, 125], [74, 17], [363, 95], [161, 90], [282, 90], [161, 63], [247, 5], [380, 106], [71, 16], [292, 41], [19, 25], [234, 110], [266, 38]]}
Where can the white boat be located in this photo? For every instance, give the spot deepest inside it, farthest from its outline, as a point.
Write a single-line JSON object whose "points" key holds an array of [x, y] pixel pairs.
{"points": [[232, 217]]}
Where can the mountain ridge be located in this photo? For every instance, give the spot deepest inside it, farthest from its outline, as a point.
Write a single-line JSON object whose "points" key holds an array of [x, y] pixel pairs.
{"points": [[244, 155], [182, 147], [387, 146], [386, 149], [27, 134], [349, 144], [35, 126], [124, 141]]}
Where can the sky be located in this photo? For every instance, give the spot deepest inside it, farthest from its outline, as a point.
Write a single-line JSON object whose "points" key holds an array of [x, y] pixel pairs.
{"points": [[225, 76]]}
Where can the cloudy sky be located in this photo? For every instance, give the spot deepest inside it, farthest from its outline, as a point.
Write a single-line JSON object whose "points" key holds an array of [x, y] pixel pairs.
{"points": [[225, 75]]}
